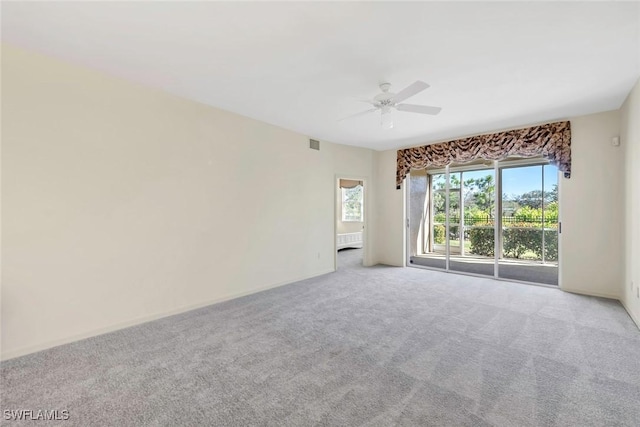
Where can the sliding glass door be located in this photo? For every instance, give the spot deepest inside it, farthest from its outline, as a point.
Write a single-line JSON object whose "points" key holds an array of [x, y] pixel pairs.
{"points": [[529, 250], [472, 226], [453, 222]]}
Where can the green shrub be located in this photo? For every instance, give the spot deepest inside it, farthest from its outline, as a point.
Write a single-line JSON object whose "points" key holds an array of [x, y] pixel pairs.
{"points": [[528, 215], [550, 244], [531, 215], [438, 234], [482, 241], [521, 238], [454, 231], [551, 214]]}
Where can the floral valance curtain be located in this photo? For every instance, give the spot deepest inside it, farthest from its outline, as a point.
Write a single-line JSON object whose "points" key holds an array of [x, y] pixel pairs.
{"points": [[552, 141]]}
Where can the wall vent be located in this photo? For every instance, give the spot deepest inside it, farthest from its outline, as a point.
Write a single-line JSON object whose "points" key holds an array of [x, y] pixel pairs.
{"points": [[314, 144]]}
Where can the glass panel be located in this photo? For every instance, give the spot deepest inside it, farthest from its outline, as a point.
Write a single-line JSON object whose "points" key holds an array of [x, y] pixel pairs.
{"points": [[551, 215], [418, 202], [454, 180], [439, 222], [476, 252], [522, 226], [454, 221], [426, 219], [438, 181]]}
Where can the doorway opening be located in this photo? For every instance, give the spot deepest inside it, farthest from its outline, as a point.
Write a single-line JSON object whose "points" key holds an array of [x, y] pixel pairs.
{"points": [[350, 221], [497, 219]]}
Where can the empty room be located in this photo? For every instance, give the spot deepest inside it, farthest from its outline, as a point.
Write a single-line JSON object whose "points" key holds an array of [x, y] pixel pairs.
{"points": [[320, 213]]}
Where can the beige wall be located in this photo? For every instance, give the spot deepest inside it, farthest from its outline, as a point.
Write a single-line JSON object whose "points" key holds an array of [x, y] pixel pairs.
{"points": [[350, 226], [630, 142], [389, 208], [123, 204], [592, 209]]}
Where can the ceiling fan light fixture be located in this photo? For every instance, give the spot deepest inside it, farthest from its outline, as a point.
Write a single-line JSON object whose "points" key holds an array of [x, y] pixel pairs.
{"points": [[386, 102]]}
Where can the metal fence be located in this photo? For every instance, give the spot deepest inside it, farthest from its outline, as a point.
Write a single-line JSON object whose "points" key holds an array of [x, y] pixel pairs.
{"points": [[506, 220]]}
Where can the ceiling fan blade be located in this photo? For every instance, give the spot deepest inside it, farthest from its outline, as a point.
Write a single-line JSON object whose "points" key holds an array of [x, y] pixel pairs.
{"points": [[422, 109], [409, 91], [362, 113]]}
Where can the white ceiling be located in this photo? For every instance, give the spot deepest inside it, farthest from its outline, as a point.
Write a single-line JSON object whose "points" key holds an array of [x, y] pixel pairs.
{"points": [[303, 66]]}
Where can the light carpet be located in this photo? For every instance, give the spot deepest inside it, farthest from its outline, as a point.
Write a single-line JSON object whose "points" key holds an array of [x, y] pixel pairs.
{"points": [[373, 346]]}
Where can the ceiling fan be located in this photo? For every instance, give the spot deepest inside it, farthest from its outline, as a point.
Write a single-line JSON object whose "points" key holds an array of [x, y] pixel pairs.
{"points": [[386, 102]]}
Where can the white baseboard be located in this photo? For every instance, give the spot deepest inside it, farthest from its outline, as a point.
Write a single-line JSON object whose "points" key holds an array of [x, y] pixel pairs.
{"points": [[635, 319], [591, 294], [11, 354]]}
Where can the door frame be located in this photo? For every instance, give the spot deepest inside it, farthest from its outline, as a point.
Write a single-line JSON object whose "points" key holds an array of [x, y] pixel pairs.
{"points": [[337, 205]]}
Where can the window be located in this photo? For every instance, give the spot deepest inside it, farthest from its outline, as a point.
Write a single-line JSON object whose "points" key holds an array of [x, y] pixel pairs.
{"points": [[352, 204]]}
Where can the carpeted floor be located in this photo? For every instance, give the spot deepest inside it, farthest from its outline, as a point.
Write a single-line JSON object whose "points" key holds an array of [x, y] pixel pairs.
{"points": [[373, 346]]}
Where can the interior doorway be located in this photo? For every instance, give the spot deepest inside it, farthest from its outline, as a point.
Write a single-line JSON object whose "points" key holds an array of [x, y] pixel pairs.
{"points": [[497, 219], [350, 218]]}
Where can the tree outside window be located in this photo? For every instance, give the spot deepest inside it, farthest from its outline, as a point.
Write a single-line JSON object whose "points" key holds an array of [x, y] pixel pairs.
{"points": [[352, 205]]}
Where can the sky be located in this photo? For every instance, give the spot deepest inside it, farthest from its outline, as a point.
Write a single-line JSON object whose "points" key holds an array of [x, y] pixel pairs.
{"points": [[523, 179], [520, 180]]}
